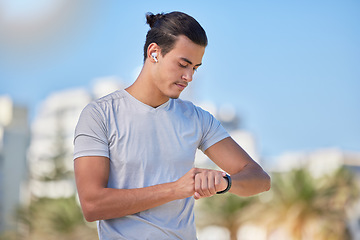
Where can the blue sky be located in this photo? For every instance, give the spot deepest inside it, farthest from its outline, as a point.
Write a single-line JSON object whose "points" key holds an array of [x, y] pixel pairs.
{"points": [[291, 68]]}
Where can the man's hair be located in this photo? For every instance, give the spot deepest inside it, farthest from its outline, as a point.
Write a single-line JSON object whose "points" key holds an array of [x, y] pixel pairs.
{"points": [[165, 28]]}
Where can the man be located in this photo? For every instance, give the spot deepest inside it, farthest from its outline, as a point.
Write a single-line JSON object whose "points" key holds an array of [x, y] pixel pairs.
{"points": [[135, 148]]}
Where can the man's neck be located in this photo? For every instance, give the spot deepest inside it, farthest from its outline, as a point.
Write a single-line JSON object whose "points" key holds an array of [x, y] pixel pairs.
{"points": [[142, 90]]}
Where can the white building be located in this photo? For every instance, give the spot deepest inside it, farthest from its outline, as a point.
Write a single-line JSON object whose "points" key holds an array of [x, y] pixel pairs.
{"points": [[51, 138], [14, 141], [52, 133]]}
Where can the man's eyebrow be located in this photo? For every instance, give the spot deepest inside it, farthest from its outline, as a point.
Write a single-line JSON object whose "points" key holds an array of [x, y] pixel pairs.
{"points": [[189, 62]]}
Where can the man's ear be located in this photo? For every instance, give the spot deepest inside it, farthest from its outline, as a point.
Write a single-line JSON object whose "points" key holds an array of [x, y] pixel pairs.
{"points": [[153, 52]]}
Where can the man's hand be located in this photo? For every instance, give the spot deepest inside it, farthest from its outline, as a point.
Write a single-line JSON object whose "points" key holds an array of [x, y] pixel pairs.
{"points": [[185, 185], [200, 183], [209, 182]]}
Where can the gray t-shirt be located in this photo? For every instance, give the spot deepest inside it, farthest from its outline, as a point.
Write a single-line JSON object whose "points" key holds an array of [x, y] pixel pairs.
{"points": [[146, 146]]}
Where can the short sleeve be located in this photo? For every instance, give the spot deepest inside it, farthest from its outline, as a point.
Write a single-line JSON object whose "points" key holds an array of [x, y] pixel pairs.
{"points": [[90, 137], [212, 130]]}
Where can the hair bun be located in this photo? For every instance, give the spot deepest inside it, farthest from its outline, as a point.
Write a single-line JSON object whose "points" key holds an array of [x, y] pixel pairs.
{"points": [[151, 19]]}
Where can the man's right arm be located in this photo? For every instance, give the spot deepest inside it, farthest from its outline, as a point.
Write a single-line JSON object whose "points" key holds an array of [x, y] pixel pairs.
{"points": [[99, 202]]}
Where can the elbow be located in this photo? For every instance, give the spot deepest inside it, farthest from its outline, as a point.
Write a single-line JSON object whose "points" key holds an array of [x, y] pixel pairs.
{"points": [[90, 211], [267, 182], [89, 217]]}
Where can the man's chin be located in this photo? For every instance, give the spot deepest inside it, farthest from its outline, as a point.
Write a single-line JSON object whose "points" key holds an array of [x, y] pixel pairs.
{"points": [[174, 96]]}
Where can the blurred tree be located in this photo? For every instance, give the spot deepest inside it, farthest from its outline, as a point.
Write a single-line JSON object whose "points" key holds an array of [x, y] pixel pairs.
{"points": [[55, 219], [302, 206], [222, 210], [306, 207]]}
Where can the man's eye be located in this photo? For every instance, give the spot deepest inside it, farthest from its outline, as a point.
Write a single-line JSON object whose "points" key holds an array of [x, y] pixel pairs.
{"points": [[183, 66]]}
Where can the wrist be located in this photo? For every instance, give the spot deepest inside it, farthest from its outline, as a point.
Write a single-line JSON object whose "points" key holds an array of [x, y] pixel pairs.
{"points": [[228, 179]]}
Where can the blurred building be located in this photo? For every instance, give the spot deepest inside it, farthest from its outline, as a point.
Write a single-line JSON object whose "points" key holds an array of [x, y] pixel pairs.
{"points": [[14, 141], [52, 131], [50, 151], [320, 161]]}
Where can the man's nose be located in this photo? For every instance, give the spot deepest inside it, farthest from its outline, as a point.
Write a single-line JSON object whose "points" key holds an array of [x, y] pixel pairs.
{"points": [[188, 76]]}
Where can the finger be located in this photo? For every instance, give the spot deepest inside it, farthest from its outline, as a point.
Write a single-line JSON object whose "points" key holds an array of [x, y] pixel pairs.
{"points": [[197, 185], [205, 185], [212, 178], [197, 196], [218, 179]]}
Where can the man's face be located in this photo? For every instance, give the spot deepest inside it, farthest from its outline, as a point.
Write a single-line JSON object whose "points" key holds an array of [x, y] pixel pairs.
{"points": [[177, 67]]}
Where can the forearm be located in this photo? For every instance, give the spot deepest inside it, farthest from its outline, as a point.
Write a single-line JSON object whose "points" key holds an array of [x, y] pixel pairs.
{"points": [[251, 180], [99, 202], [110, 203]]}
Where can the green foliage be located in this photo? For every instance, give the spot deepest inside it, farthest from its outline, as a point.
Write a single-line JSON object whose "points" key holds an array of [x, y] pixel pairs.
{"points": [[298, 203], [55, 219], [223, 206], [222, 210]]}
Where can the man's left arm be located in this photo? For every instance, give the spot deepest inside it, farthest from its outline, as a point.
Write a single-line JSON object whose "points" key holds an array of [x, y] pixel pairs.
{"points": [[248, 178]]}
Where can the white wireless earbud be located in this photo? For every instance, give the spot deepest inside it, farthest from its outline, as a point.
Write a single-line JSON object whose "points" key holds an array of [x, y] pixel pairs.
{"points": [[154, 57]]}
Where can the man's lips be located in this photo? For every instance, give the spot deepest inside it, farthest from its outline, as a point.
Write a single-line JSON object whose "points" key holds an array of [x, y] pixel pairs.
{"points": [[181, 85]]}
